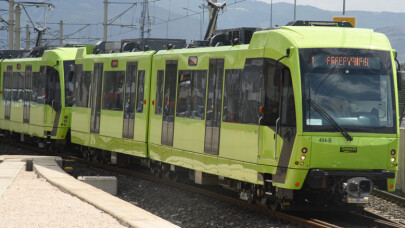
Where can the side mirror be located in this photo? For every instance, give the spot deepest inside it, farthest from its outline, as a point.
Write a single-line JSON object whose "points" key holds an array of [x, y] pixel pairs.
{"points": [[70, 76], [400, 78], [277, 76]]}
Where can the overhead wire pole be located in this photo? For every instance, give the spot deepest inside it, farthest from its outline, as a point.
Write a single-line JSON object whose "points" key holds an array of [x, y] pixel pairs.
{"points": [[27, 38], [295, 10], [105, 19], [17, 44], [61, 33], [145, 19], [271, 14], [167, 25], [344, 7], [109, 22], [10, 24]]}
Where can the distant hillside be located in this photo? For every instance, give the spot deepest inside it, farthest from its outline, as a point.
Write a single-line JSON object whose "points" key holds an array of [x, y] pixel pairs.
{"points": [[396, 35], [248, 13]]}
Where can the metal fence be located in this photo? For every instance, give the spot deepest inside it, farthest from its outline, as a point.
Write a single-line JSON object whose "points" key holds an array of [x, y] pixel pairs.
{"points": [[401, 161]]}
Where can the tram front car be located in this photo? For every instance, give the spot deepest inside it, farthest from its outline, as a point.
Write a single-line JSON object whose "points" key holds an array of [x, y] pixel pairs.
{"points": [[347, 133]]}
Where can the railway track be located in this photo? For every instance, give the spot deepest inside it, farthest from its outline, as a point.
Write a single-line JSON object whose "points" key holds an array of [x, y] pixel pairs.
{"points": [[370, 219], [389, 196]]}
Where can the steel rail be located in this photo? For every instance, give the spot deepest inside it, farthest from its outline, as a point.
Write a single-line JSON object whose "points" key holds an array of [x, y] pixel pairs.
{"points": [[389, 196]]}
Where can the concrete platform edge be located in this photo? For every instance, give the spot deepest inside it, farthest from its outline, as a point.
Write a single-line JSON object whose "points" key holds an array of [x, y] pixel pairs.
{"points": [[83, 194]]}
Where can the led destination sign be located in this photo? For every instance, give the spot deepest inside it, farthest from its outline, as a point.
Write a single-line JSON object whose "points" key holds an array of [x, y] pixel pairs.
{"points": [[347, 62]]}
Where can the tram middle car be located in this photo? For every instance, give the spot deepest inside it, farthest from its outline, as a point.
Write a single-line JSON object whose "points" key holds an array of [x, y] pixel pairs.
{"points": [[37, 96]]}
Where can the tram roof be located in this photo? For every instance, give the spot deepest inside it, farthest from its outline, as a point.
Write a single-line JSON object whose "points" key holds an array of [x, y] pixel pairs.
{"points": [[302, 37], [330, 37], [51, 54]]}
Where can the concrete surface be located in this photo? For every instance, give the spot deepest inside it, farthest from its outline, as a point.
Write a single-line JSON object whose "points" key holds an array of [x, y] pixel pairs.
{"points": [[48, 168]]}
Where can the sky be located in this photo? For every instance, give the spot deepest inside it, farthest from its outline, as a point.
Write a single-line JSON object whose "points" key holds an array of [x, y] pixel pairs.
{"points": [[363, 5]]}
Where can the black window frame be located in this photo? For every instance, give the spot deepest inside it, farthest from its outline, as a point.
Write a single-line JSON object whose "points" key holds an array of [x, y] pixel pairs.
{"points": [[160, 80], [140, 91]]}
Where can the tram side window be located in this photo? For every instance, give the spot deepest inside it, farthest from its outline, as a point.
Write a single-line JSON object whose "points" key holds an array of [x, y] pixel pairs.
{"points": [[41, 85], [191, 92], [271, 97], [34, 94], [82, 87], [28, 88], [53, 94], [232, 93], [242, 99], [14, 90], [7, 83], [113, 92], [68, 72], [18, 86], [287, 106], [140, 91], [159, 92], [5, 86], [38, 86]]}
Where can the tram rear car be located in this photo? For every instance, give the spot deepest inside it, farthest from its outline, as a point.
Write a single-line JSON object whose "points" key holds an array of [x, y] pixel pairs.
{"points": [[37, 96]]}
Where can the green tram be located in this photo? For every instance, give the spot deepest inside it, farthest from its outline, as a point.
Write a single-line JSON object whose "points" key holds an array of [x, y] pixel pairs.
{"points": [[301, 114], [37, 98]]}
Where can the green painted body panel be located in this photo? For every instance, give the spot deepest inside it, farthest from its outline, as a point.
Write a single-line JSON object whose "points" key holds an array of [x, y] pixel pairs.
{"points": [[188, 134], [239, 142], [119, 145], [111, 121], [371, 153], [208, 163]]}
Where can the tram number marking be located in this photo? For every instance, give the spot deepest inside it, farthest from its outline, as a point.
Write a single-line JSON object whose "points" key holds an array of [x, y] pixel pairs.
{"points": [[325, 140]]}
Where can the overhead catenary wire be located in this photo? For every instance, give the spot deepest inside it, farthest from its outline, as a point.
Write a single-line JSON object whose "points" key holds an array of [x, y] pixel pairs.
{"points": [[92, 30]]}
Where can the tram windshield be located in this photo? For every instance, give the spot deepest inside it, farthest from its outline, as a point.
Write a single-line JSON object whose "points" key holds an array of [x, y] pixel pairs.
{"points": [[354, 87]]}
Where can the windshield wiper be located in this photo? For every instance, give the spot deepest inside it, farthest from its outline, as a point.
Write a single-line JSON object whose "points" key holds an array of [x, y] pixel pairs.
{"points": [[329, 118]]}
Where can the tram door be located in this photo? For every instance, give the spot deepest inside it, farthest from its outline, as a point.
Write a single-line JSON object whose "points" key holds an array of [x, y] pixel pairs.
{"points": [[27, 94], [96, 98], [7, 90], [130, 96], [53, 96], [169, 101], [214, 106]]}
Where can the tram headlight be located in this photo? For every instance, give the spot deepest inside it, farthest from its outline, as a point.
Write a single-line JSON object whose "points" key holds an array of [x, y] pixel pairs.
{"points": [[303, 157], [392, 159]]}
